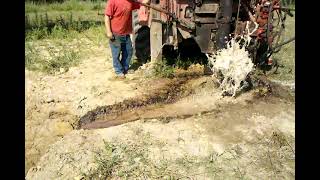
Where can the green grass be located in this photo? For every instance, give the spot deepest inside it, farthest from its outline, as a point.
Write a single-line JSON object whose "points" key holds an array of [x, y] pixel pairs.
{"points": [[60, 20], [69, 5], [54, 34], [61, 48], [57, 32], [161, 69], [48, 25], [62, 57], [286, 56], [68, 16]]}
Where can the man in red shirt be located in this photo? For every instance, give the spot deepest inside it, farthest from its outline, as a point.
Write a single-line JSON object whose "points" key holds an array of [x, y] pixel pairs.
{"points": [[118, 22]]}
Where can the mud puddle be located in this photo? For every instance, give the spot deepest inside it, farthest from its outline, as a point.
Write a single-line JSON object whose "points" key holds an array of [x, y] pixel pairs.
{"points": [[170, 100]]}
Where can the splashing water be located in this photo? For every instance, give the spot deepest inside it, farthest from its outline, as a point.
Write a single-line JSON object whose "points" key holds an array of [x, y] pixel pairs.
{"points": [[234, 64]]}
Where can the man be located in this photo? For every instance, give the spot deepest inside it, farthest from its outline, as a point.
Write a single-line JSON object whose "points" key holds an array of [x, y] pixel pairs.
{"points": [[118, 22]]}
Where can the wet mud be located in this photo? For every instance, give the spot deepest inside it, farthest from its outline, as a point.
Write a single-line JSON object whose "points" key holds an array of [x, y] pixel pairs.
{"points": [[154, 103], [129, 110]]}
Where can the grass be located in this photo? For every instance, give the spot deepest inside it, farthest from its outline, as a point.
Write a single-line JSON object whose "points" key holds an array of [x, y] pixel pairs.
{"points": [[131, 159], [55, 32], [42, 26], [161, 69], [76, 19], [56, 59], [44, 18], [62, 48], [69, 5], [120, 160], [286, 56]]}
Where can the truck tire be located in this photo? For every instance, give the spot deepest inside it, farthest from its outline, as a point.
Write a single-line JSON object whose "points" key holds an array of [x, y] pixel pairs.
{"points": [[142, 44]]}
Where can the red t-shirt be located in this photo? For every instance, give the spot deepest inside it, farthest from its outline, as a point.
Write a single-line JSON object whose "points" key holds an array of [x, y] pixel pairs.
{"points": [[120, 13]]}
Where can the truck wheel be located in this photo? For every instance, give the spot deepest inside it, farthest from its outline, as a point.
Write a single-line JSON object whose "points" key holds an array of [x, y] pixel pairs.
{"points": [[142, 44]]}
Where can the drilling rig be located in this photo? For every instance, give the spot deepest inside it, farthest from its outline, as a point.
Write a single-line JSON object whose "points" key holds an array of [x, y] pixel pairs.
{"points": [[208, 25]]}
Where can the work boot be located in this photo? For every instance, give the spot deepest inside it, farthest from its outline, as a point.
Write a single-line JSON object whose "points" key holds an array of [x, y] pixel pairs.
{"points": [[120, 76], [130, 71]]}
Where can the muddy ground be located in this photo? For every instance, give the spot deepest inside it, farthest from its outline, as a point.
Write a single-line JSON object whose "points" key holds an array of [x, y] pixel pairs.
{"points": [[181, 127]]}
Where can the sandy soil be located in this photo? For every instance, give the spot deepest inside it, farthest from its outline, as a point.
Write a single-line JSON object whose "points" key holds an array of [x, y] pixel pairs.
{"points": [[54, 103], [201, 136], [243, 137]]}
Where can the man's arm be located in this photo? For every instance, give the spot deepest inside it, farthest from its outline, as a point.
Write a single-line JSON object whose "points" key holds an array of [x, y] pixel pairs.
{"points": [[137, 5], [108, 26], [109, 12]]}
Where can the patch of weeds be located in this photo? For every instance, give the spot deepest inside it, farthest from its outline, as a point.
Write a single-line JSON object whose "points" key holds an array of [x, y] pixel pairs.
{"points": [[130, 159], [122, 160], [286, 56], [184, 63], [37, 33], [31, 58], [96, 34], [107, 161], [63, 26], [58, 32], [97, 7], [62, 6], [64, 59], [52, 61], [161, 69]]}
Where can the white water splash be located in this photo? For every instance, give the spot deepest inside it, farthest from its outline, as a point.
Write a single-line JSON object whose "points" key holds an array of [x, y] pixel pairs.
{"points": [[234, 64]]}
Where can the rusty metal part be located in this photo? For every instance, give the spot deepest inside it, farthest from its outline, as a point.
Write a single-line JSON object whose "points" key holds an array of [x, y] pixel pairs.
{"points": [[190, 25], [207, 9], [205, 20]]}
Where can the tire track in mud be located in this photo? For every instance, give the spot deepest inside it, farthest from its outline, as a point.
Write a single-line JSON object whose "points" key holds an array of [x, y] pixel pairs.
{"points": [[149, 106]]}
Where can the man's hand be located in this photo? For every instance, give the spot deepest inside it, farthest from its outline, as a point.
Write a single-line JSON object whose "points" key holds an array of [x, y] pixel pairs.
{"points": [[108, 28], [145, 1], [109, 35]]}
